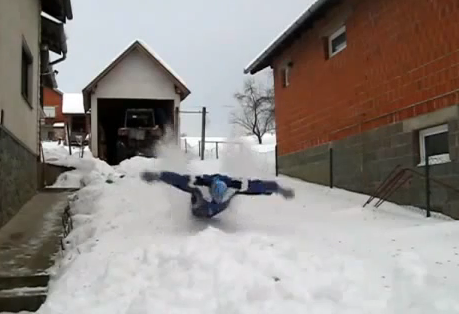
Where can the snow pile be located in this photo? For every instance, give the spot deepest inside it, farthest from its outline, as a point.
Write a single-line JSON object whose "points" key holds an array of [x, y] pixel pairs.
{"points": [[136, 249], [87, 169]]}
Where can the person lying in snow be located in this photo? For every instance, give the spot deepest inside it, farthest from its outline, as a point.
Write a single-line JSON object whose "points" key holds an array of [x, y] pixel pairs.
{"points": [[211, 194]]}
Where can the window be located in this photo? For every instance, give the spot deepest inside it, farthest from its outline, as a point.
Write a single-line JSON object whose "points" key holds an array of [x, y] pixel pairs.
{"points": [[26, 73], [433, 142], [50, 112], [337, 41], [286, 74]]}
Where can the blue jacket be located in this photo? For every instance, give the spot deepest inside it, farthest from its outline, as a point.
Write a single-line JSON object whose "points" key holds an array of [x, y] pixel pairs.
{"points": [[198, 186]]}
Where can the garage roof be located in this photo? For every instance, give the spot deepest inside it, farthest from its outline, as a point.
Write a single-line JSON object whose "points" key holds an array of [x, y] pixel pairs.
{"points": [[301, 24], [72, 103], [139, 44]]}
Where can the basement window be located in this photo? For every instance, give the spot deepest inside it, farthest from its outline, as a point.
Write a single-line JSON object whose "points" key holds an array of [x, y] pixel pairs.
{"points": [[337, 41], [433, 142], [26, 73]]}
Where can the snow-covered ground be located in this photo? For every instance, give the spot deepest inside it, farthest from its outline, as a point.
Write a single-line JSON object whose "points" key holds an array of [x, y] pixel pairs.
{"points": [[135, 249]]}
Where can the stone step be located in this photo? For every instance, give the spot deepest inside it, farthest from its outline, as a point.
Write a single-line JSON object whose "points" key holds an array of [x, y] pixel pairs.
{"points": [[23, 293], [22, 299], [12, 282]]}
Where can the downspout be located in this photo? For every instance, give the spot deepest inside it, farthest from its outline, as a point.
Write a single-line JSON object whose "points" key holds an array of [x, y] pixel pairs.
{"points": [[64, 56]]}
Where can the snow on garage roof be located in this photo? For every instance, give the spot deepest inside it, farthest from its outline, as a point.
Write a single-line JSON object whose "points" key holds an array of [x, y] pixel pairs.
{"points": [[180, 83], [58, 125], [72, 103]]}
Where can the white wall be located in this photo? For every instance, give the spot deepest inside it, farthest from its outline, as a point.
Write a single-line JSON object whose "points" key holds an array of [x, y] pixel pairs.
{"points": [[18, 19], [137, 77]]}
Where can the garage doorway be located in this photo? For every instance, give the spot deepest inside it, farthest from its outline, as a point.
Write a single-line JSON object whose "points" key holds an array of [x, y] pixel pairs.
{"points": [[111, 116]]}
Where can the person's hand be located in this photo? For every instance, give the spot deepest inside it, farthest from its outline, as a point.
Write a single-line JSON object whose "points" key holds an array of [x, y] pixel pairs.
{"points": [[287, 193], [149, 176]]}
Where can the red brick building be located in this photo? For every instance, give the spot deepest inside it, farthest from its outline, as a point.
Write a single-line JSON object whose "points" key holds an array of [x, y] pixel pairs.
{"points": [[53, 127], [375, 80]]}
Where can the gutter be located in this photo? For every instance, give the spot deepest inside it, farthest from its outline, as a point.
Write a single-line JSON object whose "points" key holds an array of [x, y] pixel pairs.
{"points": [[292, 28]]}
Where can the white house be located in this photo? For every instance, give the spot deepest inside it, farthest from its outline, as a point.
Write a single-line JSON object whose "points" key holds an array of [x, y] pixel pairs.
{"points": [[29, 30], [137, 78]]}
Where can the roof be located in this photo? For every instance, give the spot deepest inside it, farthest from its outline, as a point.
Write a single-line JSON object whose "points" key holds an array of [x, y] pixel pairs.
{"points": [[72, 103], [53, 34], [58, 125], [59, 9], [139, 44], [301, 24]]}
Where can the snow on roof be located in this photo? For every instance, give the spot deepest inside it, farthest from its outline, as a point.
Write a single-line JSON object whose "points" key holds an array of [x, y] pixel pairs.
{"points": [[160, 60], [152, 53], [58, 125], [72, 103], [50, 17], [304, 16]]}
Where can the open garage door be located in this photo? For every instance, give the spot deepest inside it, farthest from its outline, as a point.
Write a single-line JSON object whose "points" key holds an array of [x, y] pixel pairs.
{"points": [[141, 113]]}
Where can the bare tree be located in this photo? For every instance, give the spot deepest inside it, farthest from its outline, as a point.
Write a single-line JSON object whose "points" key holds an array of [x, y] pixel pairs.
{"points": [[255, 113]]}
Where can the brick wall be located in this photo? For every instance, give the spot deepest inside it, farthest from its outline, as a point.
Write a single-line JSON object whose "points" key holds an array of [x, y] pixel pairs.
{"points": [[401, 61]]}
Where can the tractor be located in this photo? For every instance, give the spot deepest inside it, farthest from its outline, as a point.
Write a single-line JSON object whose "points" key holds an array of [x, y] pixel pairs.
{"points": [[139, 134]]}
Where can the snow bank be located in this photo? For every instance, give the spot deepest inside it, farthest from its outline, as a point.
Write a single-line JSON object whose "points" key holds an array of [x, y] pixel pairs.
{"points": [[136, 249], [87, 169]]}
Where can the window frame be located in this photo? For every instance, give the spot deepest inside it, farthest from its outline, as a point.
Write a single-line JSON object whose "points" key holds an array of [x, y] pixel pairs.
{"points": [[439, 129], [333, 36], [48, 108], [26, 56], [286, 71]]}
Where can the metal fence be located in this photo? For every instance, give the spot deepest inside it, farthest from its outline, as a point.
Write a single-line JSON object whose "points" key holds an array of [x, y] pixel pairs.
{"points": [[266, 159]]}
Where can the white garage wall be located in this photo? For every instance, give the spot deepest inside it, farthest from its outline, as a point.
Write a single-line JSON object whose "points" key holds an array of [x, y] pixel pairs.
{"points": [[137, 77]]}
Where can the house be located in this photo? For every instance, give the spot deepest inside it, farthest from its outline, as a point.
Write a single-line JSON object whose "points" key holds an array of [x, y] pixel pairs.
{"points": [[52, 126], [364, 85], [29, 31], [76, 120], [136, 79]]}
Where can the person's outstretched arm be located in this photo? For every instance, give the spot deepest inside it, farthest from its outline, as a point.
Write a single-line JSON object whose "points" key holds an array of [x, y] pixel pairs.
{"points": [[179, 181], [255, 187]]}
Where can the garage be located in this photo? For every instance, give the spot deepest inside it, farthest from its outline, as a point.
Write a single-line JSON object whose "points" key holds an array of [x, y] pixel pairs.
{"points": [[132, 103]]}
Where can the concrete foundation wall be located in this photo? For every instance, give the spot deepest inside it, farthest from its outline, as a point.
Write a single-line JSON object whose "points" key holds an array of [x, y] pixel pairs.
{"points": [[18, 175], [362, 162]]}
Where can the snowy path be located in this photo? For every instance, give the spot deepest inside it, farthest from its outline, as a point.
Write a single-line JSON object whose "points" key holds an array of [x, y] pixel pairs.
{"points": [[136, 249]]}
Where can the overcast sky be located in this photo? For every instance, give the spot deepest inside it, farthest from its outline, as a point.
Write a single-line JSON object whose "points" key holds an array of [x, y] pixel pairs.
{"points": [[207, 42]]}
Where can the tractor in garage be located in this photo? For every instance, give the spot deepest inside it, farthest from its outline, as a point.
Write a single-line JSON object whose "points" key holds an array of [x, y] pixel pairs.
{"points": [[139, 134]]}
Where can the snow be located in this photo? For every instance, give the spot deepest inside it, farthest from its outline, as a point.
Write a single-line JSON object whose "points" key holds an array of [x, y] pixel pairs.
{"points": [[437, 159], [58, 125], [154, 54], [86, 168], [163, 63], [136, 249], [72, 103]]}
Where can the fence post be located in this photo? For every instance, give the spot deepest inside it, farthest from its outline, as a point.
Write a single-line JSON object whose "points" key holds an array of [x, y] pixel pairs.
{"points": [[68, 140], [427, 185], [216, 148], [203, 133], [186, 146], [331, 168], [199, 148], [276, 162]]}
